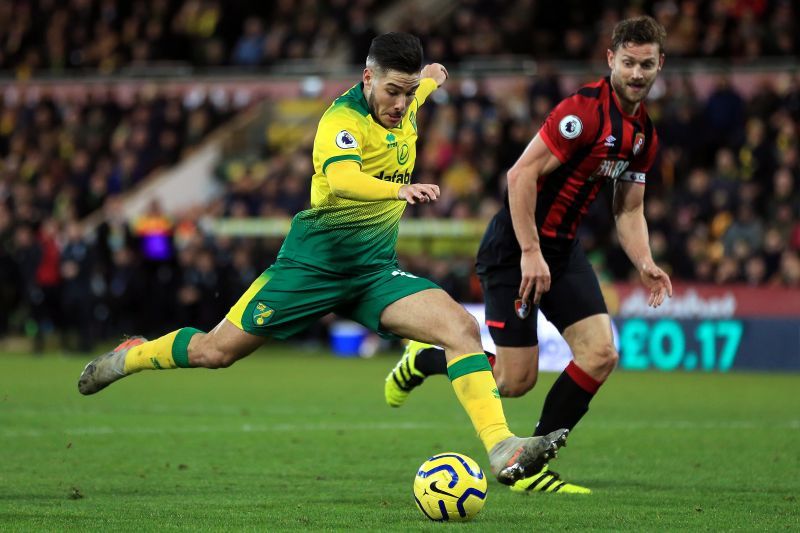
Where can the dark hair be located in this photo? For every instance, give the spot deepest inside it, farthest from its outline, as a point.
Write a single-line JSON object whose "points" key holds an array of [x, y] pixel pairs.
{"points": [[638, 30], [396, 51]]}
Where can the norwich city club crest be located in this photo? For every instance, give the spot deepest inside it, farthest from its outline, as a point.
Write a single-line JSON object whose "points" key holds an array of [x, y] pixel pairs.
{"points": [[262, 313], [403, 152]]}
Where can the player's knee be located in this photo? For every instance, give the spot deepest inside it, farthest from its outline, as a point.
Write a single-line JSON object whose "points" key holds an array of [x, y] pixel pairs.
{"points": [[605, 359], [514, 381], [514, 386], [465, 327]]}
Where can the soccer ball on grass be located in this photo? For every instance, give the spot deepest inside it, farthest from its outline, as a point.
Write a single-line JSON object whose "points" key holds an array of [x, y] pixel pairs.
{"points": [[450, 486]]}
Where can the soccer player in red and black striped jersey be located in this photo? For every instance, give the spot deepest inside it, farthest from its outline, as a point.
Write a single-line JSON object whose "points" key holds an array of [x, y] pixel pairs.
{"points": [[530, 256]]}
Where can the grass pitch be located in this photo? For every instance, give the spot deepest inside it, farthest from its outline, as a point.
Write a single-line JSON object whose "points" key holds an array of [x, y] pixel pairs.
{"points": [[296, 440]]}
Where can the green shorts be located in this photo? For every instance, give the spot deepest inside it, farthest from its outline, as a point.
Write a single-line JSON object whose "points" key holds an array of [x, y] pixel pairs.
{"points": [[289, 296]]}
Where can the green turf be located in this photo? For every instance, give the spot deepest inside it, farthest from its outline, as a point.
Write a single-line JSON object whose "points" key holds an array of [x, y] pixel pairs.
{"points": [[303, 441]]}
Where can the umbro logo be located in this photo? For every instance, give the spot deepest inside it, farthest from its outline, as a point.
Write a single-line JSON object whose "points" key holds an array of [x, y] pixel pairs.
{"points": [[610, 140]]}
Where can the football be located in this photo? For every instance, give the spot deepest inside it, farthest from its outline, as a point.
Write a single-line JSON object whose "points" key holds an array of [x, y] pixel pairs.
{"points": [[450, 486]]}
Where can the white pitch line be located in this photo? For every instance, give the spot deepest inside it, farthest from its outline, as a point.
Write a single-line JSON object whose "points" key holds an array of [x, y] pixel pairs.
{"points": [[692, 424], [371, 426], [243, 428]]}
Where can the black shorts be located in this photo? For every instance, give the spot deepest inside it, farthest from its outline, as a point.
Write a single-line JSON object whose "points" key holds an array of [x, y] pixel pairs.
{"points": [[574, 295]]}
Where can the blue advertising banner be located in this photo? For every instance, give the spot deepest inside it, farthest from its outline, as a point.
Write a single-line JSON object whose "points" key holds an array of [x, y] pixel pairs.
{"points": [[681, 344], [710, 344]]}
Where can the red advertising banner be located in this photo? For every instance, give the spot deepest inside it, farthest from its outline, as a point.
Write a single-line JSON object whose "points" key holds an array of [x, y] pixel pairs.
{"points": [[628, 300]]}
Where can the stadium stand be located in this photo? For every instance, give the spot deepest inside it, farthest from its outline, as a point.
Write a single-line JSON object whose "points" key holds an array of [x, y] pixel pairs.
{"points": [[723, 204]]}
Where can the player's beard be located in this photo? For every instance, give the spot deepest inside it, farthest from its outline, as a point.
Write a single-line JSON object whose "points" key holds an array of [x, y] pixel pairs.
{"points": [[372, 104], [373, 108], [625, 94]]}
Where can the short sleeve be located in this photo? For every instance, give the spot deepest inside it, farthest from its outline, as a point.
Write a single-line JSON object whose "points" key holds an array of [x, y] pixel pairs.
{"points": [[340, 137], [570, 125], [644, 162]]}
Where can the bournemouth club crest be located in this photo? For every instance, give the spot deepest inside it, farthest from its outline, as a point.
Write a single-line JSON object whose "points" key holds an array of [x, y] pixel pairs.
{"points": [[522, 308], [638, 143]]}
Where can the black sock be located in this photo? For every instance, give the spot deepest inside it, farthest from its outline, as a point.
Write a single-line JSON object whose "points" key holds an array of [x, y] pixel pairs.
{"points": [[567, 401], [431, 361]]}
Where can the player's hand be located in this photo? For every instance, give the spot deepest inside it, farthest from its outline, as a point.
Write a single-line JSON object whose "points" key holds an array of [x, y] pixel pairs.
{"points": [[435, 71], [658, 282], [418, 193], [535, 276]]}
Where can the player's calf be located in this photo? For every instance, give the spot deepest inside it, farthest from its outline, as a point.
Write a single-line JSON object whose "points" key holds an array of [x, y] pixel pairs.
{"points": [[206, 354], [514, 386]]}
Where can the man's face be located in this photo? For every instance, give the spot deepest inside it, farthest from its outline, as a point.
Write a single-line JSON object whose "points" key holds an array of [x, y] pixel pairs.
{"points": [[634, 68], [389, 93]]}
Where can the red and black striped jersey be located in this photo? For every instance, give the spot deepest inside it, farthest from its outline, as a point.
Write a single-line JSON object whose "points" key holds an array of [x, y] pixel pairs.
{"points": [[595, 142]]}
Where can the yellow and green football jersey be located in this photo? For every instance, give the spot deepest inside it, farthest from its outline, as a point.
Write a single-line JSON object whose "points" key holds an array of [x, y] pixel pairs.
{"points": [[345, 235]]}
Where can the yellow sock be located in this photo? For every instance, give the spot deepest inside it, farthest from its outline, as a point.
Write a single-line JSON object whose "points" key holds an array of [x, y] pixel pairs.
{"points": [[169, 351], [476, 389]]}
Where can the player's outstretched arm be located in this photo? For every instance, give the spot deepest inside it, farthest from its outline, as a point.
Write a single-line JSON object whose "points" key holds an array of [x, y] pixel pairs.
{"points": [[436, 72], [347, 181], [536, 160], [431, 78], [634, 238]]}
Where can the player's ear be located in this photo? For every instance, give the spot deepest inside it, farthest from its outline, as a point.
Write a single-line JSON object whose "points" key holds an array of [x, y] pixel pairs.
{"points": [[367, 77], [661, 61], [610, 57]]}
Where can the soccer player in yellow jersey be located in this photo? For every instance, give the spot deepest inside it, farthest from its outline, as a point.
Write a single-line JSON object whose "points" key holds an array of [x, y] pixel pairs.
{"points": [[339, 256]]}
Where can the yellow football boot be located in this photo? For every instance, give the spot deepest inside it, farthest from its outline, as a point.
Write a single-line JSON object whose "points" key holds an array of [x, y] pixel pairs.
{"points": [[547, 481], [404, 376]]}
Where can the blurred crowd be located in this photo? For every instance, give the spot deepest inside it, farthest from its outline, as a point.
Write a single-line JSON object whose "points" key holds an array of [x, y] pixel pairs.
{"points": [[738, 30], [722, 201], [64, 156], [63, 159], [107, 36]]}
